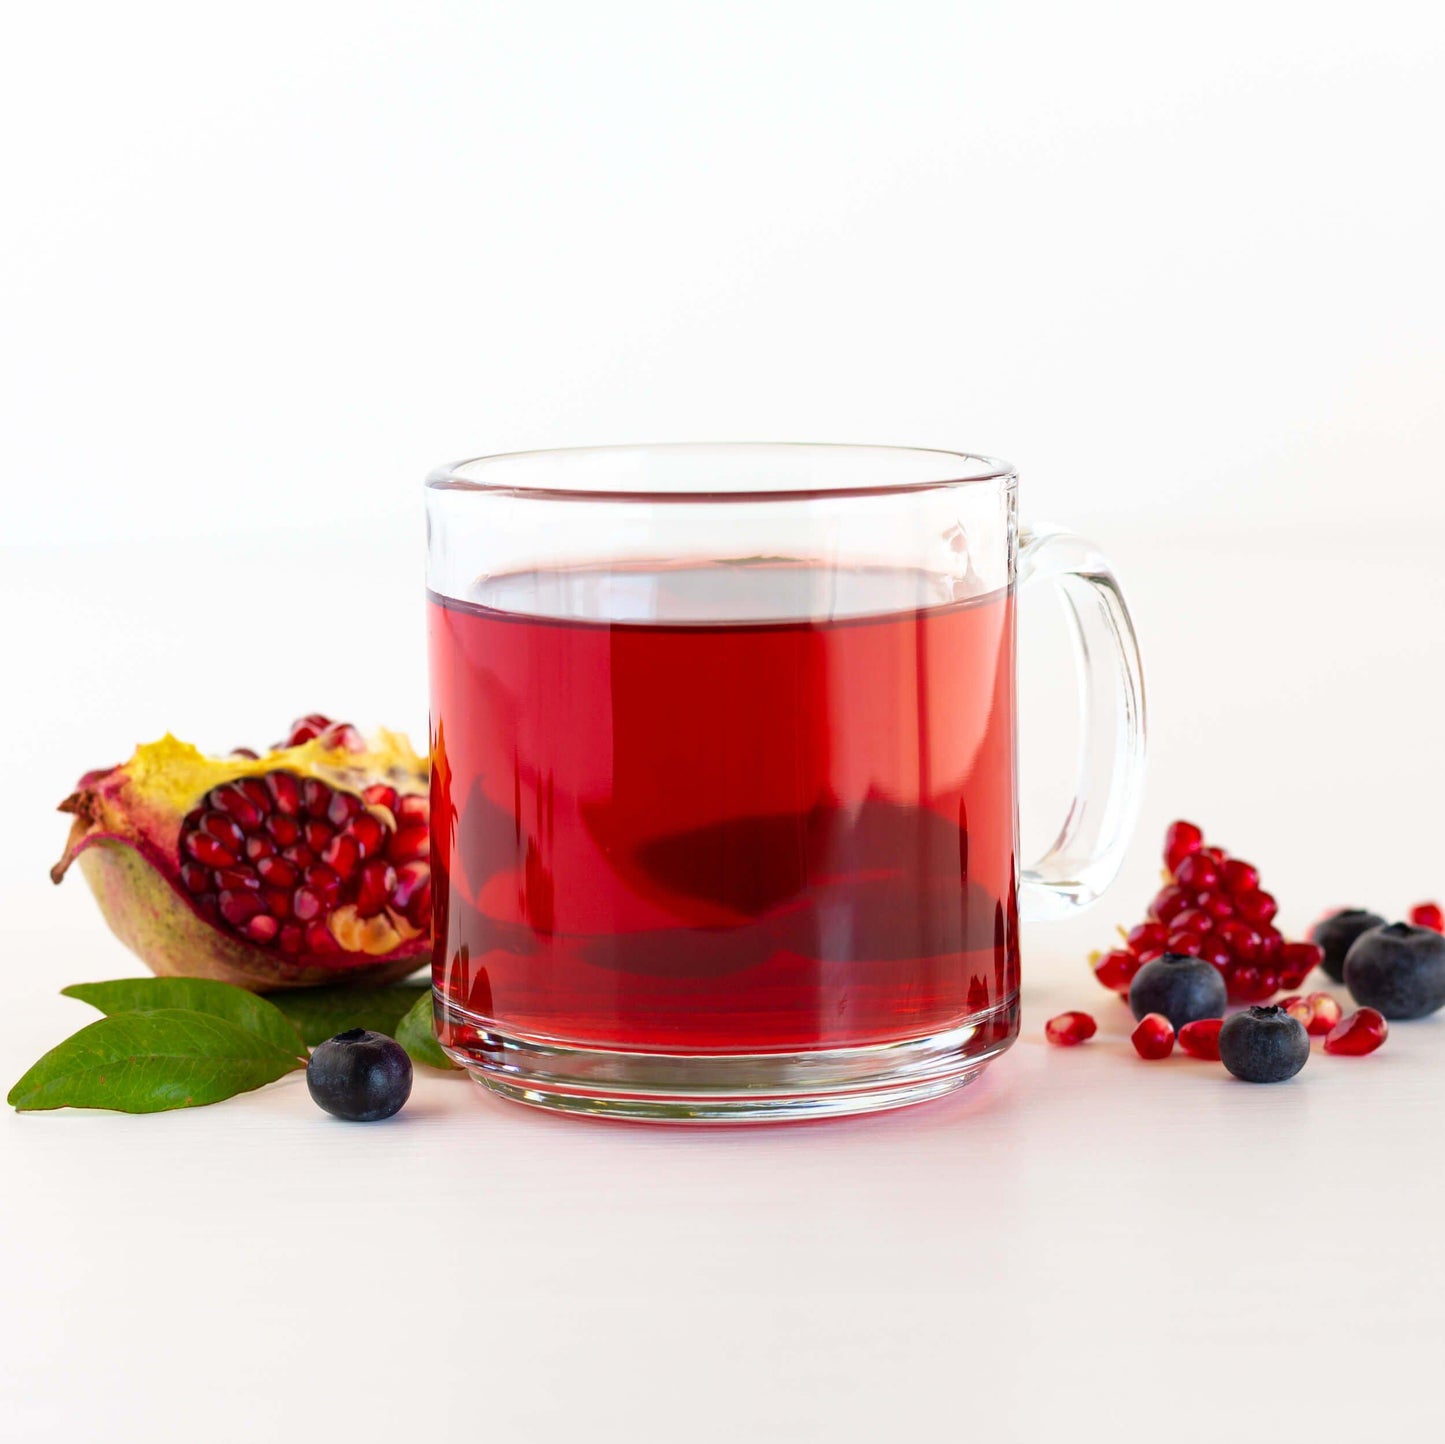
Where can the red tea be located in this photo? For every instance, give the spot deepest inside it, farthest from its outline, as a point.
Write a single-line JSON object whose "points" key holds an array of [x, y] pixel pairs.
{"points": [[761, 807]]}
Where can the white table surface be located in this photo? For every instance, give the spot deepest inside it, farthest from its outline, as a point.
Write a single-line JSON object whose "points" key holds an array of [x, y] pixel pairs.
{"points": [[1081, 1245]]}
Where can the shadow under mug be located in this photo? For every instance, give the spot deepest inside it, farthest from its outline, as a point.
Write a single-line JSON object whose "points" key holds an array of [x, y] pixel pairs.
{"points": [[724, 795]]}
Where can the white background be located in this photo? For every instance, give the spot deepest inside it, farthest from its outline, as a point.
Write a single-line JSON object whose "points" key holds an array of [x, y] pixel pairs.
{"points": [[263, 266]]}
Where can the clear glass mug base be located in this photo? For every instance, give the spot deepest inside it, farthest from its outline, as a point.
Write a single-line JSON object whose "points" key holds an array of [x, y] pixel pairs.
{"points": [[729, 1087]]}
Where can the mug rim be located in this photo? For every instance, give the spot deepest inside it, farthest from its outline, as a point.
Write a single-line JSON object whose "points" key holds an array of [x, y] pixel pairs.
{"points": [[538, 474]]}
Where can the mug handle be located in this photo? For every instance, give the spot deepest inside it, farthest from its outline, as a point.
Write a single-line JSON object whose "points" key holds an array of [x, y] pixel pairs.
{"points": [[1090, 846]]}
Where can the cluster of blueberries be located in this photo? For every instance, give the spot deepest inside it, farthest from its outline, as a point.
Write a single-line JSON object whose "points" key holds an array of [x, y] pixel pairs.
{"points": [[1395, 968]]}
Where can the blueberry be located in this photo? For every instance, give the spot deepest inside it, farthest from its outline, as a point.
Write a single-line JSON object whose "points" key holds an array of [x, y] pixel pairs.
{"points": [[1335, 933], [360, 1076], [1184, 989], [1399, 970], [1263, 1045]]}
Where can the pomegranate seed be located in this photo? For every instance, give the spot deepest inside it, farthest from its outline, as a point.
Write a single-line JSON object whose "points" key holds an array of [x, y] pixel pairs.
{"points": [[1169, 902], [319, 939], [285, 830], [343, 734], [285, 790], [1213, 949], [204, 848], [1201, 1039], [1115, 969], [1358, 1034], [1241, 940], [1180, 840], [258, 847], [1256, 907], [298, 855], [380, 795], [342, 808], [409, 844], [1216, 855], [237, 878], [233, 801], [1219, 908], [1070, 1029], [1183, 942], [317, 834], [277, 872], [1325, 1012], [291, 938], [258, 794], [413, 808], [224, 830], [1238, 878], [238, 908], [315, 797], [324, 880], [1147, 935], [1299, 1008], [1245, 985], [1428, 915], [305, 905], [412, 895], [1147, 955], [368, 833], [277, 901], [1297, 961], [1191, 920], [196, 877], [262, 928], [1197, 873], [307, 729], [1270, 944], [1154, 1037], [342, 854], [373, 886], [249, 753]]}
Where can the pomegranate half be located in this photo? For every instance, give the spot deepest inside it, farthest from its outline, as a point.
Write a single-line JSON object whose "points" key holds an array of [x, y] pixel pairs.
{"points": [[306, 865]]}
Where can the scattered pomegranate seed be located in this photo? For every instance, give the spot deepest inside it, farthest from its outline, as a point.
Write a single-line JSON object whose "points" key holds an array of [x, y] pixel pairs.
{"points": [[1069, 1029], [1325, 1012], [1358, 1034], [1154, 1037], [1428, 915], [1201, 1039], [1299, 1008], [1256, 907]]}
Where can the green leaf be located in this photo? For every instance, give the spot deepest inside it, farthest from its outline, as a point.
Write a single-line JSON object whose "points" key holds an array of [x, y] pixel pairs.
{"points": [[199, 995], [150, 1061], [417, 1034], [322, 1013]]}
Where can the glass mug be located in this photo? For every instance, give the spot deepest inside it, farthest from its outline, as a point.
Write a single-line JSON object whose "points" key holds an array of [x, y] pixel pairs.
{"points": [[724, 801]]}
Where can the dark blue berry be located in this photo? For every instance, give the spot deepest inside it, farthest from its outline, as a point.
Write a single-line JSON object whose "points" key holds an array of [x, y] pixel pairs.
{"points": [[1184, 989], [360, 1076], [1398, 970], [1263, 1045], [1335, 933]]}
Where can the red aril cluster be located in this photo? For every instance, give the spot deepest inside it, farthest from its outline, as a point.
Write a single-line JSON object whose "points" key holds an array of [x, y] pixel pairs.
{"points": [[292, 863], [1213, 907]]}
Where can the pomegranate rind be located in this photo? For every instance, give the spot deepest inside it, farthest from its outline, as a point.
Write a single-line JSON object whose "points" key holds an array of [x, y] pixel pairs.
{"points": [[126, 837]]}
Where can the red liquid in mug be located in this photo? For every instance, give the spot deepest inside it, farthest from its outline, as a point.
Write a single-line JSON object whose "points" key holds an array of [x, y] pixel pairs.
{"points": [[723, 835]]}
